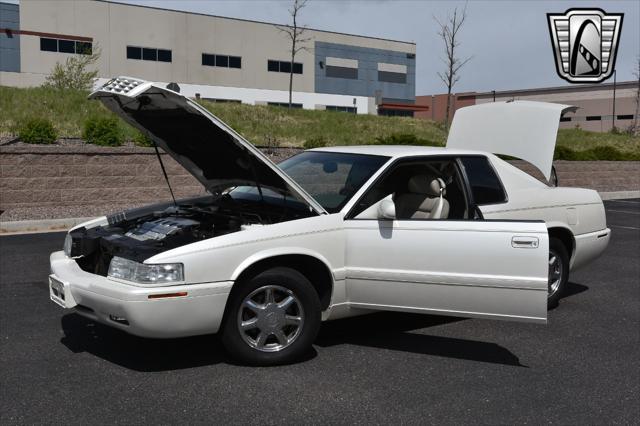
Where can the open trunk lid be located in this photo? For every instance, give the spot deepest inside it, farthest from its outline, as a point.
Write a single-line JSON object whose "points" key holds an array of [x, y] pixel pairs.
{"points": [[521, 129], [209, 149]]}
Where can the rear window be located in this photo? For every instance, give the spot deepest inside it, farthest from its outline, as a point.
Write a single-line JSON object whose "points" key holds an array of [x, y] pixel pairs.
{"points": [[485, 184]]}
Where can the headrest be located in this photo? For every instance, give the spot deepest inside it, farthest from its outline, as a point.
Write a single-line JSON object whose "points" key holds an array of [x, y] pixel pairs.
{"points": [[428, 185]]}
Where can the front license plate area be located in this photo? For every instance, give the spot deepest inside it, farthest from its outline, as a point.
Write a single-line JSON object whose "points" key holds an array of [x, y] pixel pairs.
{"points": [[59, 292]]}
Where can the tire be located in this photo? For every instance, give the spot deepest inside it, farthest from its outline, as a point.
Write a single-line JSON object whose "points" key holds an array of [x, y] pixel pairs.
{"points": [[558, 271], [272, 318]]}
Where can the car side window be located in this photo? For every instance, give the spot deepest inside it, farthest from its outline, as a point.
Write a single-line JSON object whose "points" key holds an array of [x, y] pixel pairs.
{"points": [[420, 189], [485, 184]]}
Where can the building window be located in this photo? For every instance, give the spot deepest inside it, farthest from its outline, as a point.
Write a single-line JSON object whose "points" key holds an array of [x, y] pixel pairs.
{"points": [[84, 48], [625, 117], [395, 112], [352, 110], [392, 77], [564, 119], [224, 61], [235, 62], [65, 46], [273, 66], [48, 44], [284, 66], [164, 55], [222, 101], [134, 52], [149, 54], [593, 118], [284, 104], [341, 72]]}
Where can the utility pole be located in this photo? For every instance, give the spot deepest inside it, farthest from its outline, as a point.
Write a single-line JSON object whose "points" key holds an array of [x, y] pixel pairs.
{"points": [[614, 101]]}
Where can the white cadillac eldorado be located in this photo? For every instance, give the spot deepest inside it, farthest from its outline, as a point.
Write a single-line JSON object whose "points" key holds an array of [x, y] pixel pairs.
{"points": [[329, 233]]}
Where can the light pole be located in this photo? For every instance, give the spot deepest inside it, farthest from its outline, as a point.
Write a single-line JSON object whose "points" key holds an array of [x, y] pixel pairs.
{"points": [[614, 101]]}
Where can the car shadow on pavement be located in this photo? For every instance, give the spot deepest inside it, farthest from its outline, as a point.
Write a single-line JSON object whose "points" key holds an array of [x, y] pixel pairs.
{"points": [[573, 288], [137, 353], [393, 331]]}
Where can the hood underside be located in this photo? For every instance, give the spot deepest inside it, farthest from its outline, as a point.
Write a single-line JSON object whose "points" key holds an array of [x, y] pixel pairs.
{"points": [[521, 129], [208, 148]]}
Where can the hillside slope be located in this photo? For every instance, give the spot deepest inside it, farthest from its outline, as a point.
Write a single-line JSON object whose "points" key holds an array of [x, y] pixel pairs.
{"points": [[261, 125]]}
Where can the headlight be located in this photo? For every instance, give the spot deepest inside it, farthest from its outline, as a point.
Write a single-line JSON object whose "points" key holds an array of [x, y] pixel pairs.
{"points": [[67, 245], [163, 273]]}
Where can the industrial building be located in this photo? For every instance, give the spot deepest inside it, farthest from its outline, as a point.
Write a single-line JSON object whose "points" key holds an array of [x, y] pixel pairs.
{"points": [[212, 57], [596, 110]]}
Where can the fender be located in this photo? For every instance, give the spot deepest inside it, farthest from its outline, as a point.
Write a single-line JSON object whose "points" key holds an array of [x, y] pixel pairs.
{"points": [[282, 251]]}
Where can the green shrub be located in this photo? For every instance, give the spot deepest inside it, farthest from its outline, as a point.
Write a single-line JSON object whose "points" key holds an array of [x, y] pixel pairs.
{"points": [[103, 131], [140, 139], [598, 153], [402, 139], [317, 142], [564, 153], [37, 130]]}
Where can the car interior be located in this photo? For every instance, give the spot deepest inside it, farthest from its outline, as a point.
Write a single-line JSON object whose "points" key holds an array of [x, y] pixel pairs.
{"points": [[420, 190]]}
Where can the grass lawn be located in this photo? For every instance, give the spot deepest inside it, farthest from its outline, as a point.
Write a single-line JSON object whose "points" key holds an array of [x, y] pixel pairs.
{"points": [[68, 110]]}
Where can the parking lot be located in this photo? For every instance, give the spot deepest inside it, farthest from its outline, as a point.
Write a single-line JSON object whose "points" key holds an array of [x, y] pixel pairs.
{"points": [[583, 367]]}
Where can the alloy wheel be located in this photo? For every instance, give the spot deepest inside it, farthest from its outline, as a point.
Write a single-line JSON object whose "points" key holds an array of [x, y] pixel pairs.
{"points": [[555, 272], [270, 318]]}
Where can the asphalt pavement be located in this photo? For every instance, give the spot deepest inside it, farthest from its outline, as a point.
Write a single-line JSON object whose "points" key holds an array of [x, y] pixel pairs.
{"points": [[583, 367]]}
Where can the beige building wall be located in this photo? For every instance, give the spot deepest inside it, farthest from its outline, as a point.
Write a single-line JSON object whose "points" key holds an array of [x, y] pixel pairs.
{"points": [[595, 104], [113, 26]]}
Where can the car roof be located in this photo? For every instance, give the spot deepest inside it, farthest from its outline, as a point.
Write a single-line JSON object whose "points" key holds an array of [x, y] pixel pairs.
{"points": [[397, 151]]}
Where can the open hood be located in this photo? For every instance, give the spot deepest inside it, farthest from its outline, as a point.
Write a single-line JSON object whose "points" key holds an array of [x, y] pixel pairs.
{"points": [[521, 129], [209, 149]]}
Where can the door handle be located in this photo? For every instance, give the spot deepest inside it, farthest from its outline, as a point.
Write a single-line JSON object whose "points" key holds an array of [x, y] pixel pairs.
{"points": [[524, 242]]}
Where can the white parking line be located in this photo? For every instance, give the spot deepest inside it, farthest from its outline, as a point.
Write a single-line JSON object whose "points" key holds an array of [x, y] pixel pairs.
{"points": [[624, 201], [623, 211], [623, 227]]}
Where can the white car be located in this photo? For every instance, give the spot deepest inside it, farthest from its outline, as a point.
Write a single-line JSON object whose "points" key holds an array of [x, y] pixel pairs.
{"points": [[328, 233]]}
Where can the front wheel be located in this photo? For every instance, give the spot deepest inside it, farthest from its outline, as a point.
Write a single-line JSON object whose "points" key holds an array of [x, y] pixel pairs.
{"points": [[558, 271], [272, 318]]}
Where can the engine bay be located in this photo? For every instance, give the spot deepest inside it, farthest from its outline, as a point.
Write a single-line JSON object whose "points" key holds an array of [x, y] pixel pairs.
{"points": [[141, 233]]}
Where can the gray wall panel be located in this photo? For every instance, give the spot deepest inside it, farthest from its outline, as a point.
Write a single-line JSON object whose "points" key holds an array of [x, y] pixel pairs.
{"points": [[367, 83], [9, 46]]}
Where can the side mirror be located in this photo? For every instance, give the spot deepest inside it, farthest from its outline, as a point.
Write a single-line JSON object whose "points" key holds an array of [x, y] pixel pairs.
{"points": [[387, 209]]}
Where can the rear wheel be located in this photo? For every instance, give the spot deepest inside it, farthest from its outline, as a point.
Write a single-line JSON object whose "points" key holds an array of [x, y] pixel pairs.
{"points": [[558, 271], [272, 318]]}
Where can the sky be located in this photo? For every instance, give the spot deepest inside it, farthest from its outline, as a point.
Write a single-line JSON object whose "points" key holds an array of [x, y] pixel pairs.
{"points": [[508, 40]]}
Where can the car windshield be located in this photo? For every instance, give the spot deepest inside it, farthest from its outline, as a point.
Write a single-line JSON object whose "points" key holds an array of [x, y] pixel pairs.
{"points": [[331, 178]]}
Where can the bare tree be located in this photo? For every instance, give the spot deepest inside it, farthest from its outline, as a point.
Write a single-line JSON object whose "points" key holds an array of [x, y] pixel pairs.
{"points": [[296, 36], [449, 33]]}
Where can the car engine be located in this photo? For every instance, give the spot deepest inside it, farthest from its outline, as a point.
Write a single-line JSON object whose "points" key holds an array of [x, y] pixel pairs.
{"points": [[141, 233]]}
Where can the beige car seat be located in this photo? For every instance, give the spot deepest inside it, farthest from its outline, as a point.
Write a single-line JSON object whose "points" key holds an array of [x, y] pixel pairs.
{"points": [[424, 199]]}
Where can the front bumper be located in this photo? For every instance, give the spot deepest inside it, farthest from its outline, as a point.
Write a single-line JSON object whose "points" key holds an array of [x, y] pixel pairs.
{"points": [[130, 308]]}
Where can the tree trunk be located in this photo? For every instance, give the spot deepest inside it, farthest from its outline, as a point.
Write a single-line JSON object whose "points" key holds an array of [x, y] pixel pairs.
{"points": [[291, 82]]}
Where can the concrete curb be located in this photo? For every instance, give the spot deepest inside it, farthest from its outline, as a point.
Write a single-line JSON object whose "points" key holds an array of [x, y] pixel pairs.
{"points": [[619, 195], [59, 225], [42, 225]]}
